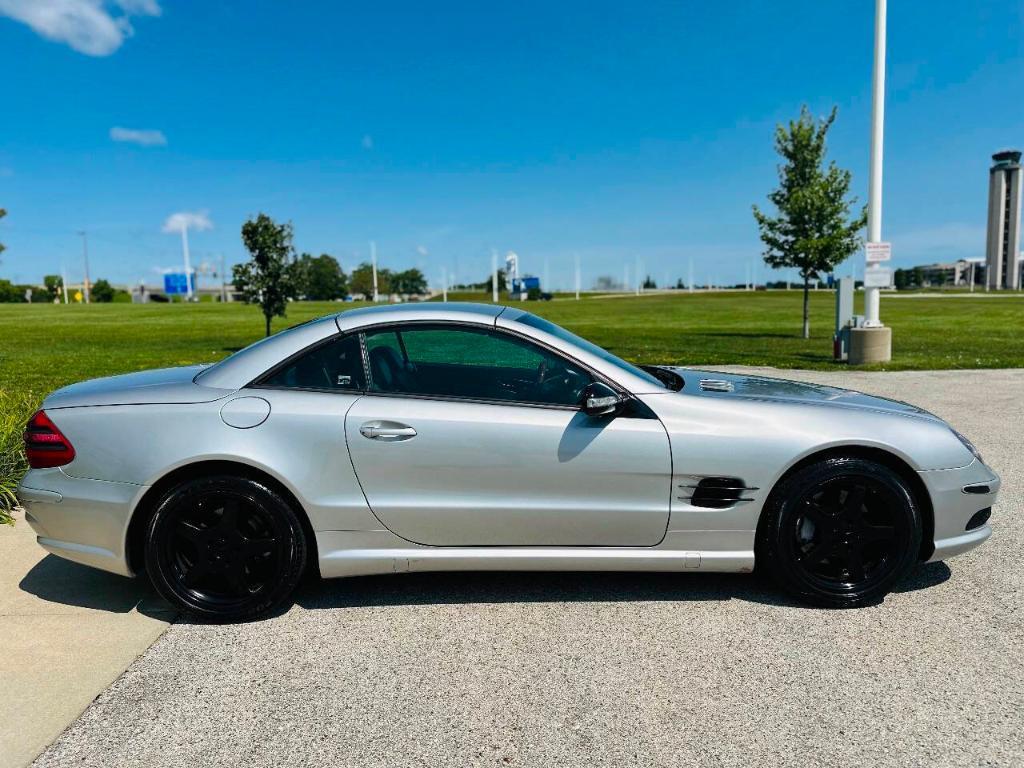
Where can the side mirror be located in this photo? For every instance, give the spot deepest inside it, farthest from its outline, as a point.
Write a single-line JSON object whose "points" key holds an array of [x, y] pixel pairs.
{"points": [[601, 400]]}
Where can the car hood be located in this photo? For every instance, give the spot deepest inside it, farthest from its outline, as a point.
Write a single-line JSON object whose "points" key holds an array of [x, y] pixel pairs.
{"points": [[163, 385], [732, 385]]}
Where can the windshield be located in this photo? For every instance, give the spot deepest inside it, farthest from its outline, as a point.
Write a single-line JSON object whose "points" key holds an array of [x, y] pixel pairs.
{"points": [[548, 327]]}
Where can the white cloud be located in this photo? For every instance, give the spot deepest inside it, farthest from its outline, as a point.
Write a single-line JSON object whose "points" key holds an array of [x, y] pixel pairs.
{"points": [[422, 250], [367, 141], [144, 138], [197, 220], [92, 27]]}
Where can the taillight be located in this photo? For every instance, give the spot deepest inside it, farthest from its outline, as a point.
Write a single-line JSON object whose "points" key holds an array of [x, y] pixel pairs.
{"points": [[45, 445]]}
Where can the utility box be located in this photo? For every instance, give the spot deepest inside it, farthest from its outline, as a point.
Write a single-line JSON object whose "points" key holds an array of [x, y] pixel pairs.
{"points": [[844, 318]]}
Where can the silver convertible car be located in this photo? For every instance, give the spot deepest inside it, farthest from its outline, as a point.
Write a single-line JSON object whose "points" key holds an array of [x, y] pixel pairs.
{"points": [[442, 437]]}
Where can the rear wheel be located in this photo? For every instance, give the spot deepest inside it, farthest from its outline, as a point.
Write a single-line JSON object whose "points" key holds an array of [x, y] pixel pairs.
{"points": [[225, 548], [841, 533]]}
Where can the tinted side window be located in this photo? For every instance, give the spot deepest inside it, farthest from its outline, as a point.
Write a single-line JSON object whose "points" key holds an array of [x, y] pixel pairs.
{"points": [[338, 364], [469, 363]]}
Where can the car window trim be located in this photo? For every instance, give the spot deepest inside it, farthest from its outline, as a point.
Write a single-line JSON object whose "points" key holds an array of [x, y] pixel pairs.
{"points": [[360, 333], [260, 381], [482, 328]]}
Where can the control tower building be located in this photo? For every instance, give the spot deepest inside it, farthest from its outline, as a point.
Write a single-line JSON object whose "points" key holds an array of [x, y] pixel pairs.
{"points": [[1002, 250]]}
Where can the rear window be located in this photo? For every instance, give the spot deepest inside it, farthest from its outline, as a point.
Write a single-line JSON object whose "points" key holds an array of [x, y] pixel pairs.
{"points": [[334, 365]]}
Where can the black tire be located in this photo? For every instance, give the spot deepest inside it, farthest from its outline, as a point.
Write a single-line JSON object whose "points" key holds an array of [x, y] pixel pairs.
{"points": [[840, 533], [225, 548]]}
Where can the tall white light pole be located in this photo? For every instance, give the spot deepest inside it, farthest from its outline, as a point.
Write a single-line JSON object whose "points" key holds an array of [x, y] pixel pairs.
{"points": [[871, 295], [577, 259], [85, 263], [373, 261], [494, 275], [188, 262]]}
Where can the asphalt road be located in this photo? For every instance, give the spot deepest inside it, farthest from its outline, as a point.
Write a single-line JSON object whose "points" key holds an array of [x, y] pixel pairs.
{"points": [[602, 670]]}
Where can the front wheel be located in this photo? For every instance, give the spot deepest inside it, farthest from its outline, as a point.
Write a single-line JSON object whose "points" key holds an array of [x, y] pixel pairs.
{"points": [[841, 533], [225, 548]]}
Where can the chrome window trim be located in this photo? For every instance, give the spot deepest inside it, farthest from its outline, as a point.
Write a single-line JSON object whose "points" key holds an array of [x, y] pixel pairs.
{"points": [[483, 327]]}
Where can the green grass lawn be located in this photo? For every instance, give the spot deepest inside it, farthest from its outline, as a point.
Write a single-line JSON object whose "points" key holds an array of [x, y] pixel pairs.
{"points": [[43, 346]]}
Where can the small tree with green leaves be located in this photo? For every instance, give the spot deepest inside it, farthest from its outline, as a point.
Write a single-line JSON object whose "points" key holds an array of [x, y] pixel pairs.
{"points": [[266, 279], [812, 230], [102, 292], [361, 280], [319, 278], [54, 286]]}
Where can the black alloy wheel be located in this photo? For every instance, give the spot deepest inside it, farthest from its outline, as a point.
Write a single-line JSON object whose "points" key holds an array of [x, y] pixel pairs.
{"points": [[225, 548], [841, 533]]}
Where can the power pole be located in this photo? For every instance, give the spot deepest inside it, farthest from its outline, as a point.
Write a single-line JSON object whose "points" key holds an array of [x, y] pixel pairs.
{"points": [[64, 283], [85, 262]]}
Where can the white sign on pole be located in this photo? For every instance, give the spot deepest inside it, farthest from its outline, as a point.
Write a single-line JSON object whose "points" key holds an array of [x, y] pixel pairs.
{"points": [[877, 252], [877, 277]]}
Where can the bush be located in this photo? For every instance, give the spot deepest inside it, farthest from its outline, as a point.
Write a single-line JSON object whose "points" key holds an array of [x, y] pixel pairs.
{"points": [[534, 294], [15, 411]]}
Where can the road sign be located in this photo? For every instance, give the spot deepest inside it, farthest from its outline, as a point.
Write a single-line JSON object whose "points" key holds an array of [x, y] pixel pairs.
{"points": [[877, 277], [176, 285], [877, 252]]}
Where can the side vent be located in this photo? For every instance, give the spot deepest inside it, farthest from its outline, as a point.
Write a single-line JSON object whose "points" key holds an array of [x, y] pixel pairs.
{"points": [[716, 385], [716, 492]]}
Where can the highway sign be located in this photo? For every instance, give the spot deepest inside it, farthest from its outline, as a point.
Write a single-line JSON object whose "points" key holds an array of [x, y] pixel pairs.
{"points": [[175, 284]]}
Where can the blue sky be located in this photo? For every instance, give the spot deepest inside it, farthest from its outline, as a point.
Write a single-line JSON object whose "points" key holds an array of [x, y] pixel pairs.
{"points": [[616, 131]]}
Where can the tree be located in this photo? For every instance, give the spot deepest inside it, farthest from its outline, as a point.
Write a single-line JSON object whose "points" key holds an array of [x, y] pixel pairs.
{"points": [[319, 278], [54, 286], [411, 282], [812, 231], [266, 279], [502, 283], [649, 282], [102, 292], [901, 279], [361, 280]]}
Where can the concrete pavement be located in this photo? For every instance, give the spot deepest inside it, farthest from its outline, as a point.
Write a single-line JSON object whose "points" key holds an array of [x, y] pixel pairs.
{"points": [[66, 633], [607, 669]]}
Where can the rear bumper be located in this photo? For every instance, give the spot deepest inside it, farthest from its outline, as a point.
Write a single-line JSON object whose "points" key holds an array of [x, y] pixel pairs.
{"points": [[81, 520], [954, 508]]}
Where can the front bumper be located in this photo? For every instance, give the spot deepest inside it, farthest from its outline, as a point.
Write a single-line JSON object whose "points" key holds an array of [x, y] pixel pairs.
{"points": [[81, 520], [953, 507]]}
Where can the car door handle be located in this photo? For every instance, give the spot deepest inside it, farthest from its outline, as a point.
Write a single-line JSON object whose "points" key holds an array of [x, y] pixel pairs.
{"points": [[387, 431]]}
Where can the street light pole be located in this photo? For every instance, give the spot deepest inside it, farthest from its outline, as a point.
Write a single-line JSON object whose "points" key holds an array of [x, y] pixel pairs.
{"points": [[373, 261], [188, 262], [872, 343], [85, 263], [871, 295]]}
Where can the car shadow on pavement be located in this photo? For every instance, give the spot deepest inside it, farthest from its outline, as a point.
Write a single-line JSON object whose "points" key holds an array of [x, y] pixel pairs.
{"points": [[575, 587], [60, 581], [56, 580]]}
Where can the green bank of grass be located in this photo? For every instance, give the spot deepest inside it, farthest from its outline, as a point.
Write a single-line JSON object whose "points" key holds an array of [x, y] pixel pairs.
{"points": [[43, 346]]}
